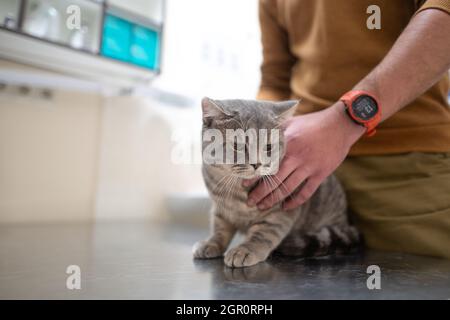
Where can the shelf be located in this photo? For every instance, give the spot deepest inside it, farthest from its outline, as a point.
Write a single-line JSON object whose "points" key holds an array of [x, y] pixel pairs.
{"points": [[36, 52]]}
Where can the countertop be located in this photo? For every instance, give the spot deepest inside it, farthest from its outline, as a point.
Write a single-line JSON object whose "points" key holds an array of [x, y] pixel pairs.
{"points": [[154, 261]]}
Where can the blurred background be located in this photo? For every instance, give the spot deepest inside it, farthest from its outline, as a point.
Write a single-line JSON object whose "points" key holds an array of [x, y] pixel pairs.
{"points": [[95, 97]]}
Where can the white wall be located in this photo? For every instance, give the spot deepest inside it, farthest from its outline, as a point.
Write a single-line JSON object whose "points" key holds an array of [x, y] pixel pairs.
{"points": [[81, 156], [48, 157], [134, 157]]}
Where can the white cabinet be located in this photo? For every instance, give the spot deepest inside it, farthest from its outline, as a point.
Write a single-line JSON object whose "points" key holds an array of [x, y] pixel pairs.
{"points": [[77, 37]]}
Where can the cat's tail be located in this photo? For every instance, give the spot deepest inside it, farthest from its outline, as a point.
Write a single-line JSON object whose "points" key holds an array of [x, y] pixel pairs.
{"points": [[328, 240]]}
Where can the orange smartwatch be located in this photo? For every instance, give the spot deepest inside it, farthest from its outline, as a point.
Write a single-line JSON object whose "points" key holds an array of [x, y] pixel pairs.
{"points": [[363, 108]]}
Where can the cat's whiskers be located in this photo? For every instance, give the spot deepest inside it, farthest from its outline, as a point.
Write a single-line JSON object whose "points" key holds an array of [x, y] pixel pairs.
{"points": [[271, 184], [281, 184], [225, 189], [230, 192], [219, 182], [220, 188]]}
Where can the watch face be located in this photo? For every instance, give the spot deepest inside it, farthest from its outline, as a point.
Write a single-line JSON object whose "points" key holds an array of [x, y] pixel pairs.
{"points": [[365, 107]]}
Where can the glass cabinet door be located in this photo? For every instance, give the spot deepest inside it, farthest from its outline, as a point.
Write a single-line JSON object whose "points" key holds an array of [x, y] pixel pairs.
{"points": [[75, 23], [9, 13]]}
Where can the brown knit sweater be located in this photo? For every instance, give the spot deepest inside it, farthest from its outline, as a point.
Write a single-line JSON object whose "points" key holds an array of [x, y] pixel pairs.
{"points": [[317, 50]]}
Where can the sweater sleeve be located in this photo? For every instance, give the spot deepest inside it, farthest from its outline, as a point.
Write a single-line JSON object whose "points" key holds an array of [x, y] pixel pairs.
{"points": [[277, 58], [443, 5]]}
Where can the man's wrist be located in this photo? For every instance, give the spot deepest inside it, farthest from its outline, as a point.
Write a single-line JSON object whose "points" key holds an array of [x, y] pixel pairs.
{"points": [[351, 129]]}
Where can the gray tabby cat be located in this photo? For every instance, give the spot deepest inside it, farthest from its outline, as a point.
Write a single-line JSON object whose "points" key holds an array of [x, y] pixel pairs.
{"points": [[318, 227]]}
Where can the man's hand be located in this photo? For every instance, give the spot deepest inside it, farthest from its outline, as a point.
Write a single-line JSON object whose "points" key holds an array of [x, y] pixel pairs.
{"points": [[317, 143]]}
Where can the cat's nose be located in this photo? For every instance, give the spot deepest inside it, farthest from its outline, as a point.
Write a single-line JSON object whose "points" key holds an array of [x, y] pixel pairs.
{"points": [[256, 165]]}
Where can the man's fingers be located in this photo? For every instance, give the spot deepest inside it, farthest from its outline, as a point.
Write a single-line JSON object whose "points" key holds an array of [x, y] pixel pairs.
{"points": [[284, 190], [303, 195], [264, 187]]}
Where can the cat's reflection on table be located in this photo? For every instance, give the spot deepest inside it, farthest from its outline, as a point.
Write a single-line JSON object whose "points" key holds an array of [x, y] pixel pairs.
{"points": [[261, 272], [279, 275], [338, 276]]}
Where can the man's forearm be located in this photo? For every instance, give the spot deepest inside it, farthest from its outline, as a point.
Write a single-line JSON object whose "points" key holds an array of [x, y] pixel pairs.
{"points": [[418, 59]]}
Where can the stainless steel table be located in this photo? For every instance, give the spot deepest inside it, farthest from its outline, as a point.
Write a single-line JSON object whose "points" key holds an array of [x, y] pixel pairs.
{"points": [[151, 261]]}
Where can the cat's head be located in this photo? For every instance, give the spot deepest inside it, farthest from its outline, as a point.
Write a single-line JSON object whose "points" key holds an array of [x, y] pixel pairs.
{"points": [[247, 135]]}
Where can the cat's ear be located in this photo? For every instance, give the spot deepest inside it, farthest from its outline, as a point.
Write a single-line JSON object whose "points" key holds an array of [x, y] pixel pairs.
{"points": [[211, 110], [285, 109]]}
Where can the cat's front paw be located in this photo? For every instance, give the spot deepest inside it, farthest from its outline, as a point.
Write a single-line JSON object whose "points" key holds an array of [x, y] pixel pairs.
{"points": [[242, 257], [207, 250]]}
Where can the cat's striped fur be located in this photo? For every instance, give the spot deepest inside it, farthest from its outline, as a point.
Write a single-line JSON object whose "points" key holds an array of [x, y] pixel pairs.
{"points": [[318, 227]]}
